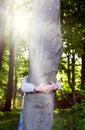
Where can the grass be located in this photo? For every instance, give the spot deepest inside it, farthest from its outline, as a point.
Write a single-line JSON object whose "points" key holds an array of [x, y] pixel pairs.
{"points": [[9, 120], [9, 124], [64, 119]]}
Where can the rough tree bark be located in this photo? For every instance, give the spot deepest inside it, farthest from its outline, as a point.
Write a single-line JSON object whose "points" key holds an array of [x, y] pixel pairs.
{"points": [[45, 53]]}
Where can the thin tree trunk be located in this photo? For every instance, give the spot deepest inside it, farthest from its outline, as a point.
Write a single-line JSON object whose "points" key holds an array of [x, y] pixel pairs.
{"points": [[83, 69], [73, 78], [69, 73], [45, 53], [11, 62], [14, 92], [2, 28], [10, 79]]}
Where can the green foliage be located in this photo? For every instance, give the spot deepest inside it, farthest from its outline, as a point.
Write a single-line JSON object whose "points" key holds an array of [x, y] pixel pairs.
{"points": [[72, 21], [62, 119], [78, 112], [72, 26], [67, 119]]}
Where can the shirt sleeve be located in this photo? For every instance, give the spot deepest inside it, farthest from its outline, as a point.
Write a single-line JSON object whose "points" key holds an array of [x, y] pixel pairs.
{"points": [[26, 86], [58, 85]]}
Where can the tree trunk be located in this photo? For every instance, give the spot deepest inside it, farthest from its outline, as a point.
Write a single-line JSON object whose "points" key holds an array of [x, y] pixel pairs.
{"points": [[10, 79], [45, 53], [2, 29], [83, 69], [14, 92], [73, 78], [69, 70], [11, 62]]}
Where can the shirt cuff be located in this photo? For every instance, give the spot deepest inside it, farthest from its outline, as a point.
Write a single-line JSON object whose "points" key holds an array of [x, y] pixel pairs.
{"points": [[58, 85]]}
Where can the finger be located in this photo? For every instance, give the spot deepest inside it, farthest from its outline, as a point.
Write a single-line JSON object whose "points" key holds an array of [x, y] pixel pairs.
{"points": [[50, 82]]}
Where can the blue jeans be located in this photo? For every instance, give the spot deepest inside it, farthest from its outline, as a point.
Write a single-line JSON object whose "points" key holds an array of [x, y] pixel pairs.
{"points": [[20, 126]]}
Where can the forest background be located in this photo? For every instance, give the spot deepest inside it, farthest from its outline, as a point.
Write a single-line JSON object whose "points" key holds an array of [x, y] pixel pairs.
{"points": [[15, 31]]}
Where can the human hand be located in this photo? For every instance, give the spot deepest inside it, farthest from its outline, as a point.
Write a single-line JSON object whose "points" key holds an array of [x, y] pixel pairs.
{"points": [[53, 86], [46, 88], [41, 88]]}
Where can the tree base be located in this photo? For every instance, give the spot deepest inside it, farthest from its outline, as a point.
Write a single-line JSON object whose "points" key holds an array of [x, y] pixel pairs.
{"points": [[38, 111]]}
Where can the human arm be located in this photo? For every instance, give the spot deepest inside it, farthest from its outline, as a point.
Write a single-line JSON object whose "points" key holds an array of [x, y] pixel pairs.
{"points": [[29, 87], [26, 86]]}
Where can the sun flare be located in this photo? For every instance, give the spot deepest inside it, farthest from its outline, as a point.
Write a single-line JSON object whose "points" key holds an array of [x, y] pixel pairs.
{"points": [[21, 24]]}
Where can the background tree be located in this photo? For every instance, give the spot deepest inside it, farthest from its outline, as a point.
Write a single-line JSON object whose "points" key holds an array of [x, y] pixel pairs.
{"points": [[72, 13], [11, 61], [2, 28]]}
